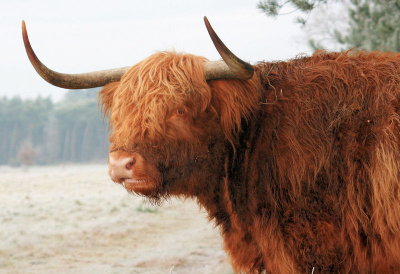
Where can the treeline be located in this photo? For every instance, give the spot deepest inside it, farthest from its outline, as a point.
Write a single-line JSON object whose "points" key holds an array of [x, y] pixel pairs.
{"points": [[43, 132]]}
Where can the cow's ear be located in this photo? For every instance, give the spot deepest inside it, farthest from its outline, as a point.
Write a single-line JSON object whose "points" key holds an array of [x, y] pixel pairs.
{"points": [[235, 101], [106, 96]]}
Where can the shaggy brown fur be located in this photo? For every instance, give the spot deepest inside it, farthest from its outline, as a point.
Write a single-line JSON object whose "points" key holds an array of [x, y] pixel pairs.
{"points": [[299, 166]]}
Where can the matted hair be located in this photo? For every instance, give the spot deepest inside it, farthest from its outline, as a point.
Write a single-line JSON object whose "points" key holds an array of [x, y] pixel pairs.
{"points": [[151, 89], [141, 101]]}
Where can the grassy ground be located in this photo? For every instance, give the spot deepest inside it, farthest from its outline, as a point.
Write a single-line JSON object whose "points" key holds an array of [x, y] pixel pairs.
{"points": [[73, 219]]}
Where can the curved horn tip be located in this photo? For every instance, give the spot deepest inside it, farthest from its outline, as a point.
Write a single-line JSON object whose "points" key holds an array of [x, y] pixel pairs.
{"points": [[71, 81], [24, 32], [23, 28], [240, 68]]}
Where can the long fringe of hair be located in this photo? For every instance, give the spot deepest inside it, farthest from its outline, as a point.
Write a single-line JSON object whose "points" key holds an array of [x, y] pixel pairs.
{"points": [[150, 90]]}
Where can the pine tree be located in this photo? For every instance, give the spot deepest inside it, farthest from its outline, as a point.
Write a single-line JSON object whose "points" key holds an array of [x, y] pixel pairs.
{"points": [[274, 7], [372, 24]]}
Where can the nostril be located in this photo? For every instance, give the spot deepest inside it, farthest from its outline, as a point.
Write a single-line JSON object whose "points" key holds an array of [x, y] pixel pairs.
{"points": [[122, 166], [130, 164]]}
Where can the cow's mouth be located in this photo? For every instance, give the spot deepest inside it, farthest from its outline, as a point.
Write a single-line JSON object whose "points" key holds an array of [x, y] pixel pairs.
{"points": [[144, 187], [129, 183]]}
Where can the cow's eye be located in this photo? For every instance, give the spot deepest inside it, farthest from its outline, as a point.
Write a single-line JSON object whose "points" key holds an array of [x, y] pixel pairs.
{"points": [[178, 113], [181, 111]]}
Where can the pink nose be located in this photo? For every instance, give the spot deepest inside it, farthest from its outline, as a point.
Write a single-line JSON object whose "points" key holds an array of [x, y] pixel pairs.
{"points": [[121, 167]]}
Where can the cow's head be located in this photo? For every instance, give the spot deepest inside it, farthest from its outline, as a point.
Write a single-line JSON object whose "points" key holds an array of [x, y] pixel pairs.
{"points": [[166, 114]]}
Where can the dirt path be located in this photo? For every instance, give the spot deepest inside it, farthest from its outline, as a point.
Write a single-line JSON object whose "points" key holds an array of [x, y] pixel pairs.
{"points": [[73, 219]]}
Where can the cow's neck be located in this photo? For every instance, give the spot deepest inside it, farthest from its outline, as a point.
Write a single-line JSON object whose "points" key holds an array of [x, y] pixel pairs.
{"points": [[227, 196]]}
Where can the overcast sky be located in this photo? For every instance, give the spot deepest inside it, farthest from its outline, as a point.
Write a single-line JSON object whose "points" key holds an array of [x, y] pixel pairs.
{"points": [[84, 35]]}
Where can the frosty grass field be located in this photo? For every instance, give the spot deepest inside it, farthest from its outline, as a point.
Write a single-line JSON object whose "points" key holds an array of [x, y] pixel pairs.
{"points": [[74, 219]]}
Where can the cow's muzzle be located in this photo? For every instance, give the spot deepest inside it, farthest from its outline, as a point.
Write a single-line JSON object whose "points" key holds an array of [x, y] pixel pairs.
{"points": [[133, 172], [121, 166]]}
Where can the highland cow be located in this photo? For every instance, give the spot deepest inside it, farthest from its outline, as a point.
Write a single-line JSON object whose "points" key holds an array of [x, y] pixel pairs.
{"points": [[297, 162]]}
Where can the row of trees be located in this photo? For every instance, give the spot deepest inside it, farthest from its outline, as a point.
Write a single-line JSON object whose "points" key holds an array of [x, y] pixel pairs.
{"points": [[369, 24], [44, 132]]}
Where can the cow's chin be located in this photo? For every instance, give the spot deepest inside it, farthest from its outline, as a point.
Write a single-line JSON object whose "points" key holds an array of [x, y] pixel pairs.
{"points": [[141, 187]]}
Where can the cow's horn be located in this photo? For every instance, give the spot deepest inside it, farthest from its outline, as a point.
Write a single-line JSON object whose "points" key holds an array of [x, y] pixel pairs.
{"points": [[232, 67], [71, 81]]}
